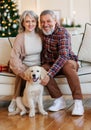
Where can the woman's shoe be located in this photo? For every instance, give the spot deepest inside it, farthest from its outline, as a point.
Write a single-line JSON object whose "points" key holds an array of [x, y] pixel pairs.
{"points": [[12, 106]]}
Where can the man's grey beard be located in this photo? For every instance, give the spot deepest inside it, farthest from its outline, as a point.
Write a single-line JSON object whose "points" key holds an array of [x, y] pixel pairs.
{"points": [[48, 33]]}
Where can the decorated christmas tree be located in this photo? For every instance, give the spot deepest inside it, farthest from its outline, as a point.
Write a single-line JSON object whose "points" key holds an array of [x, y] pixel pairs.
{"points": [[9, 18]]}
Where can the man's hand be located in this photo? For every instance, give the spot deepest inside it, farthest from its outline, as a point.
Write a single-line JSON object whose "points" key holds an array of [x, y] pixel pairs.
{"points": [[45, 81]]}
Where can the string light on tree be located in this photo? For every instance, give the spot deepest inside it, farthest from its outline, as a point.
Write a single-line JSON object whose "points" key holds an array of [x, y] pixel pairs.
{"points": [[5, 14], [5, 5]]}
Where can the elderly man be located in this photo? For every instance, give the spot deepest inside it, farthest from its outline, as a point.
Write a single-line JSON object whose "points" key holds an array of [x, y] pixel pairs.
{"points": [[58, 58]]}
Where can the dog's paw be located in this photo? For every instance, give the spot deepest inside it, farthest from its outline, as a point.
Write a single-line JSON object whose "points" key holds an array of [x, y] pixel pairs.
{"points": [[44, 113], [22, 113], [31, 114]]}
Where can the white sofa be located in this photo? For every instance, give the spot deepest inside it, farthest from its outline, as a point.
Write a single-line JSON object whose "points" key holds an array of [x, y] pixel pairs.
{"points": [[7, 80]]}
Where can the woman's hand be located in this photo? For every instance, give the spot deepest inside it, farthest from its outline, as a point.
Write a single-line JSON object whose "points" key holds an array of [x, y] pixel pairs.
{"points": [[45, 81]]}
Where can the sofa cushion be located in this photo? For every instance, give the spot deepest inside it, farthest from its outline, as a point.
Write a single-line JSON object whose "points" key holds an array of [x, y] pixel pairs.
{"points": [[85, 81], [7, 89], [7, 78], [84, 53], [84, 74], [7, 83]]}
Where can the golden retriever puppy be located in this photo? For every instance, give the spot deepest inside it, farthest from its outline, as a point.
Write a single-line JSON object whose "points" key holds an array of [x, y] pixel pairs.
{"points": [[33, 93]]}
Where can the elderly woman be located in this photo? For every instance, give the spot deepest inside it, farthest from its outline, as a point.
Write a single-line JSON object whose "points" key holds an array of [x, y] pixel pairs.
{"points": [[26, 51]]}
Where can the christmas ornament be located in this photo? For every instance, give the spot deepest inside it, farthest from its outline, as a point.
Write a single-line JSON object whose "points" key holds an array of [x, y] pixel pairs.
{"points": [[14, 25]]}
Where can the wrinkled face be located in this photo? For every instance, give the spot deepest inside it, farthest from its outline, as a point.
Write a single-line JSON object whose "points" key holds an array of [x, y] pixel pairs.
{"points": [[47, 23], [29, 23], [35, 73]]}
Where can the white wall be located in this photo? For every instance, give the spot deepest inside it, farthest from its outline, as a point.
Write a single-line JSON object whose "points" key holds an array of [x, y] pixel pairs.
{"points": [[62, 5], [81, 7], [26, 5]]}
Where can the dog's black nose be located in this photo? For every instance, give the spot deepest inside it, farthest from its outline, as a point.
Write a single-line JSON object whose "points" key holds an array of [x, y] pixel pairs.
{"points": [[34, 76]]}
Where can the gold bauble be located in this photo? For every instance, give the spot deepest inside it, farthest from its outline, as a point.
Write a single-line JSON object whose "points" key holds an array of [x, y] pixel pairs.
{"points": [[3, 34], [9, 33], [3, 22], [14, 9], [6, 27], [14, 21], [8, 7], [9, 24], [13, 5]]}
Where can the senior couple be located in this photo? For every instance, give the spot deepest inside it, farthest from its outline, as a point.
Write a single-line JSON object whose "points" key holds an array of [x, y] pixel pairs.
{"points": [[50, 47]]}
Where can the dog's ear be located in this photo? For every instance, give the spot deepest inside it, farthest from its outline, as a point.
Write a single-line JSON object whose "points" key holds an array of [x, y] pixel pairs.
{"points": [[28, 74], [43, 73]]}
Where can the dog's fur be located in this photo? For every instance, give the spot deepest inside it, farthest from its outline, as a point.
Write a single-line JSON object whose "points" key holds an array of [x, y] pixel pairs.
{"points": [[33, 93]]}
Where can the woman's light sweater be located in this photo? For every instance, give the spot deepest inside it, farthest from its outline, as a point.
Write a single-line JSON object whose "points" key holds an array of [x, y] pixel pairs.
{"points": [[18, 54], [33, 49]]}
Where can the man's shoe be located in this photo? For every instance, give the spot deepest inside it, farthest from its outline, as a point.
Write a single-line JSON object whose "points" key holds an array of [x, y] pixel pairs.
{"points": [[12, 106], [58, 104], [78, 108]]}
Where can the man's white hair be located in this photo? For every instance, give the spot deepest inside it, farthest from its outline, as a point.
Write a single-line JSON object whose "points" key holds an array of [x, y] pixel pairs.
{"points": [[50, 12]]}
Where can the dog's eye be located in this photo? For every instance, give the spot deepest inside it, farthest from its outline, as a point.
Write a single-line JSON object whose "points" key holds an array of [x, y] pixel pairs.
{"points": [[37, 70], [31, 70]]}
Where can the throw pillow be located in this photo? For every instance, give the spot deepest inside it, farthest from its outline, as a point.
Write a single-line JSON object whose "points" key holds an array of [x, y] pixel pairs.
{"points": [[84, 53]]}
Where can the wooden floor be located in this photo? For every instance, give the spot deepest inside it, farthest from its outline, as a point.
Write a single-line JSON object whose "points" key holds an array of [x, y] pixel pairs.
{"points": [[61, 120]]}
